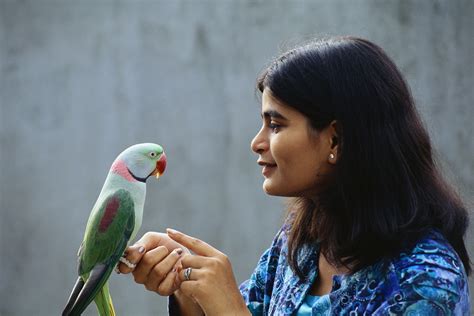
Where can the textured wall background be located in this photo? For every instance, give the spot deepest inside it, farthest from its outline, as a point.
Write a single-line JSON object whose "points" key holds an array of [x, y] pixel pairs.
{"points": [[82, 80]]}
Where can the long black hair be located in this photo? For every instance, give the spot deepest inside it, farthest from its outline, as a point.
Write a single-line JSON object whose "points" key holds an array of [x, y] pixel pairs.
{"points": [[387, 190]]}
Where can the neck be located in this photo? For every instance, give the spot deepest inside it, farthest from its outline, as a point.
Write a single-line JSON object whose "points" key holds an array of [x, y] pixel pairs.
{"points": [[120, 168]]}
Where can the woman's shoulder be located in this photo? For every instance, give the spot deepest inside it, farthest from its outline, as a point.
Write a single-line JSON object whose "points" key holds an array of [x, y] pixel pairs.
{"points": [[432, 254], [427, 277], [431, 273]]}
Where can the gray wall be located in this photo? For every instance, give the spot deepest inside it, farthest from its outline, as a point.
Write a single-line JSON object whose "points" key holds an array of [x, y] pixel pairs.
{"points": [[82, 80]]}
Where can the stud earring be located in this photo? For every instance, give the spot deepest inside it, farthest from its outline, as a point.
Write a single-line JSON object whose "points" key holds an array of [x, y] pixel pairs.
{"points": [[331, 156]]}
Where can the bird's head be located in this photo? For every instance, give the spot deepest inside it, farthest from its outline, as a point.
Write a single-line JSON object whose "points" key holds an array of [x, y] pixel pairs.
{"points": [[143, 160]]}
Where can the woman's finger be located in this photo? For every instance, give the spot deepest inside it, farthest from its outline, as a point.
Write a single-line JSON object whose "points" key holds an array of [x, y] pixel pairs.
{"points": [[169, 284], [152, 240], [196, 245], [149, 260], [133, 254], [186, 275], [159, 272], [193, 261]]}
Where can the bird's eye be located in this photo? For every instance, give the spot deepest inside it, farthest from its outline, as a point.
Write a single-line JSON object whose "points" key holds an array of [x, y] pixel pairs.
{"points": [[152, 154]]}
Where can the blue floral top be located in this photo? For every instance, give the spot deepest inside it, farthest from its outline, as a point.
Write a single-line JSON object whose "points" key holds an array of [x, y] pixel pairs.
{"points": [[426, 280]]}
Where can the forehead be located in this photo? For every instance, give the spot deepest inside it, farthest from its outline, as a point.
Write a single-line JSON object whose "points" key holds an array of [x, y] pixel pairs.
{"points": [[269, 101], [271, 104]]}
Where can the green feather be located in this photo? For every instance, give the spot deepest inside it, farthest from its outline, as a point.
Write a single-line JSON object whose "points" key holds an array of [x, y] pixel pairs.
{"points": [[115, 219], [103, 301], [101, 247], [100, 252]]}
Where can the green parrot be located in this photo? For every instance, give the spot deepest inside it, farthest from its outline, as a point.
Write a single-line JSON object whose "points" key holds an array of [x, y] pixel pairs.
{"points": [[115, 219]]}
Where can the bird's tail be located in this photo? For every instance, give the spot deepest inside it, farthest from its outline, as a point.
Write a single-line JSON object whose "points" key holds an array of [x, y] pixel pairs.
{"points": [[103, 301]]}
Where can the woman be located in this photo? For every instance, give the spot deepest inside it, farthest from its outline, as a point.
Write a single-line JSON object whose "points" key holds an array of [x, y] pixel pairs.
{"points": [[372, 227]]}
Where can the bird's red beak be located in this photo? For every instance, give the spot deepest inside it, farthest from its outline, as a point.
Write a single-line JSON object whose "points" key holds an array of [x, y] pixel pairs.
{"points": [[160, 166]]}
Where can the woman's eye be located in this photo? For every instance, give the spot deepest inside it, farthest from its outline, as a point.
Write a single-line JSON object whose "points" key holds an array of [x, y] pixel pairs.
{"points": [[275, 127]]}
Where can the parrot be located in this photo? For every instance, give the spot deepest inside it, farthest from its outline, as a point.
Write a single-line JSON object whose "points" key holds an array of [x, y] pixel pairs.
{"points": [[114, 220]]}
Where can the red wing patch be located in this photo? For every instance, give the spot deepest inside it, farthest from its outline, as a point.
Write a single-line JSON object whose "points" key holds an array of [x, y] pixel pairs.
{"points": [[109, 213]]}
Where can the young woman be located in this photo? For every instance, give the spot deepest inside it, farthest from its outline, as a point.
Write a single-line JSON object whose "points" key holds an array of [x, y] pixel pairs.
{"points": [[372, 229]]}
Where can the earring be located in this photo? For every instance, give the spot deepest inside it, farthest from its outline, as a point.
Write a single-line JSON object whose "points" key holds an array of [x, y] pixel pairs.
{"points": [[331, 156]]}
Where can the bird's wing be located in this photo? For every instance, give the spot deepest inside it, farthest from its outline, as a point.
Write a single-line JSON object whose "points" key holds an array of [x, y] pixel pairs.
{"points": [[105, 240], [108, 232]]}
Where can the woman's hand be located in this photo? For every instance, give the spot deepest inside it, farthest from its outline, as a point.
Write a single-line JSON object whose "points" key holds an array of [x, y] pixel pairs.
{"points": [[211, 282], [157, 258]]}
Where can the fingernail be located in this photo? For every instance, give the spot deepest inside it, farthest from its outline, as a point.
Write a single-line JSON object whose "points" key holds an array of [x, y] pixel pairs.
{"points": [[171, 231], [179, 251], [141, 249]]}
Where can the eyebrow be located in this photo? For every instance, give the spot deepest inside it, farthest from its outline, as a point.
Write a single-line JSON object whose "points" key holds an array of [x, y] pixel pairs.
{"points": [[273, 114]]}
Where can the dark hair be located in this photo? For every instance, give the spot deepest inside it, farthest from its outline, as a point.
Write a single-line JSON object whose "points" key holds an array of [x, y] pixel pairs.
{"points": [[387, 190]]}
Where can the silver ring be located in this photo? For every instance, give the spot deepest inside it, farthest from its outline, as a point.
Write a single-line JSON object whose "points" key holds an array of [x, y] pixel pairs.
{"points": [[187, 273], [127, 263]]}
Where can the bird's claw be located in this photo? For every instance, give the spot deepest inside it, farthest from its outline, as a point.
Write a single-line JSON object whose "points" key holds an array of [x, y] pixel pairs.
{"points": [[127, 263]]}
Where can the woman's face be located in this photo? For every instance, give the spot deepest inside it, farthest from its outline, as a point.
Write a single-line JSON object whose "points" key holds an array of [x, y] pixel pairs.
{"points": [[295, 160]]}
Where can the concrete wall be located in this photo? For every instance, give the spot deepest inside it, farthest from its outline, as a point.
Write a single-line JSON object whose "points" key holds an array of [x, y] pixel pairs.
{"points": [[81, 80]]}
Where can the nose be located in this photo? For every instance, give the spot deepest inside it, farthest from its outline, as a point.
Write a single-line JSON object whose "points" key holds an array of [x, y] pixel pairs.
{"points": [[259, 143]]}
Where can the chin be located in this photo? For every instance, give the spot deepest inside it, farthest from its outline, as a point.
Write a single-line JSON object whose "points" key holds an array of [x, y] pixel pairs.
{"points": [[281, 190], [273, 190]]}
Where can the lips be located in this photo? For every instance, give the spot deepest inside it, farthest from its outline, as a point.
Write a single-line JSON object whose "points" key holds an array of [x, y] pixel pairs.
{"points": [[264, 163], [267, 167]]}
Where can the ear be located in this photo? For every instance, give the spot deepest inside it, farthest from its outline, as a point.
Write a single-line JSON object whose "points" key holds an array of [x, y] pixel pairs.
{"points": [[334, 142]]}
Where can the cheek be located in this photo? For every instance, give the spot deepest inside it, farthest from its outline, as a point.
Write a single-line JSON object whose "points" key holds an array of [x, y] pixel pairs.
{"points": [[299, 163], [292, 155], [282, 150]]}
